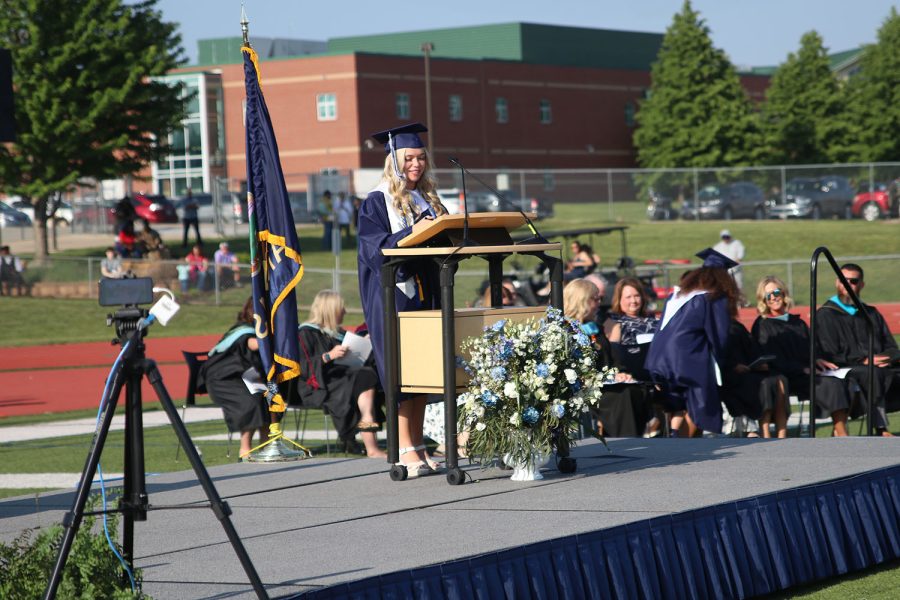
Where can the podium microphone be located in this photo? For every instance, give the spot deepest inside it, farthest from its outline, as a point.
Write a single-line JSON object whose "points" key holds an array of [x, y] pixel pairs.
{"points": [[536, 237], [462, 171]]}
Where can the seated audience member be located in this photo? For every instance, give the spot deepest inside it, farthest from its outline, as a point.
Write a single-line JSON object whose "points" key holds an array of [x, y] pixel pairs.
{"points": [[603, 287], [11, 269], [752, 392], [226, 262], [199, 266], [628, 318], [625, 407], [583, 261], [843, 341], [786, 337], [111, 266], [126, 242], [346, 392], [150, 242], [689, 349], [223, 374]]}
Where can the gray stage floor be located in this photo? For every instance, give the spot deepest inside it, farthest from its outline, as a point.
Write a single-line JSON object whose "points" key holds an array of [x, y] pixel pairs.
{"points": [[324, 521]]}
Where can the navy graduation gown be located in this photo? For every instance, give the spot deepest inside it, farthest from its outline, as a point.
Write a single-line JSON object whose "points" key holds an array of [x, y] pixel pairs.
{"points": [[373, 235], [681, 358]]}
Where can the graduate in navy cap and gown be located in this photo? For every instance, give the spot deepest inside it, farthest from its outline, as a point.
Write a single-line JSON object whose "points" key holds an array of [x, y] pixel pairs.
{"points": [[687, 352], [401, 204]]}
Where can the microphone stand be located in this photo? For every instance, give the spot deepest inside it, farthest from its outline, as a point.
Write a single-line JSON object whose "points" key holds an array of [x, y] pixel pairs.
{"points": [[465, 241], [536, 237]]}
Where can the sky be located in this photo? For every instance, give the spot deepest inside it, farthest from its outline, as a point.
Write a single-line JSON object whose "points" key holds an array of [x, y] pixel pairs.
{"points": [[751, 32]]}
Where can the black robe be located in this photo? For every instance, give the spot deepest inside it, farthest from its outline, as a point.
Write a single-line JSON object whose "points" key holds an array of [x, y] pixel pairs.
{"points": [[843, 340], [333, 387], [374, 234], [752, 393], [221, 374], [788, 341]]}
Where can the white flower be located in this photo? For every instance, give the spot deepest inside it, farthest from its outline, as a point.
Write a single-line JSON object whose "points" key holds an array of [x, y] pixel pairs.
{"points": [[515, 419], [479, 411], [571, 375], [480, 427], [509, 389]]}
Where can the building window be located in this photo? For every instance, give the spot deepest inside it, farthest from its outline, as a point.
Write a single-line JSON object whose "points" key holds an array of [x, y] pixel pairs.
{"points": [[501, 107], [546, 112], [326, 107], [456, 108], [549, 182], [629, 114], [402, 104]]}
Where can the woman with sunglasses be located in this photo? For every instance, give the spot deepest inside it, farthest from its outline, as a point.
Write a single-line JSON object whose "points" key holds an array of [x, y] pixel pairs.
{"points": [[786, 336]]}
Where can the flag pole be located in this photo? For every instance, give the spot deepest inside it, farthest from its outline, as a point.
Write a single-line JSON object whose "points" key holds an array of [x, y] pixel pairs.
{"points": [[277, 447]]}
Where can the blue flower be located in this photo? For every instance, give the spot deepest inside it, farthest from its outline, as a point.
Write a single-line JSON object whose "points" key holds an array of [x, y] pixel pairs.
{"points": [[558, 411], [507, 350], [543, 370], [489, 398], [576, 385], [582, 339], [530, 415], [498, 373], [498, 326]]}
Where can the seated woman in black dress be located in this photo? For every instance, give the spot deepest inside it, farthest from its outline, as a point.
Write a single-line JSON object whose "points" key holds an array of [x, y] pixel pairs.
{"points": [[786, 336], [755, 393], [344, 391], [223, 375], [624, 407]]}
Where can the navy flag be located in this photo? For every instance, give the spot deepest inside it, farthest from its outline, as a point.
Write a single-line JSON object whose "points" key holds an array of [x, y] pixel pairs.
{"points": [[277, 266]]}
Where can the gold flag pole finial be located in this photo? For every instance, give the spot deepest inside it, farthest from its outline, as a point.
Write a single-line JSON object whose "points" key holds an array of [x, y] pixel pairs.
{"points": [[245, 26]]}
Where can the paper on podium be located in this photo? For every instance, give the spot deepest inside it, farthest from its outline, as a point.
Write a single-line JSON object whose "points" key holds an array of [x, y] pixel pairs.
{"points": [[839, 373], [358, 350]]}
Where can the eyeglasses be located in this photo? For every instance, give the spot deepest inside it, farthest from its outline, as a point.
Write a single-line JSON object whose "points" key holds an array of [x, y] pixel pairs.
{"points": [[853, 280], [776, 293]]}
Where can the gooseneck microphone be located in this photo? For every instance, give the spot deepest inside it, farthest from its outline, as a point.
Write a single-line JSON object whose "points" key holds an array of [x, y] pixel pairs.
{"points": [[462, 172], [536, 237]]}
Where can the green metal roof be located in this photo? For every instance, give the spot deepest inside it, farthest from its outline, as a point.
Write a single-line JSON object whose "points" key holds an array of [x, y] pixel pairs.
{"points": [[837, 60], [520, 42]]}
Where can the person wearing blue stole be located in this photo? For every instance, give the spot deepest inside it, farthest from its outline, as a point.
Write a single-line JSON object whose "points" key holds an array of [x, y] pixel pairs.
{"points": [[232, 361], [400, 205], [686, 356]]}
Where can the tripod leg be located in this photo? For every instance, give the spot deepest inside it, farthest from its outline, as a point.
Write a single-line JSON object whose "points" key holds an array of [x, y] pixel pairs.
{"points": [[134, 502], [72, 519], [219, 507]]}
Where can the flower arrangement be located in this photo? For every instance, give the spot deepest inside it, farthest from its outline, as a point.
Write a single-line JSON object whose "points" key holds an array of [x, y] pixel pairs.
{"points": [[530, 382]]}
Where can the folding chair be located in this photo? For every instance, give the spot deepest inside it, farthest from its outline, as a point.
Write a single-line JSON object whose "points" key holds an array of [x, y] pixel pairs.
{"points": [[194, 361], [301, 417]]}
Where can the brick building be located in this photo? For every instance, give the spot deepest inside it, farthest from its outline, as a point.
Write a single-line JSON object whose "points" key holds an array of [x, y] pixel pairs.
{"points": [[508, 96]]}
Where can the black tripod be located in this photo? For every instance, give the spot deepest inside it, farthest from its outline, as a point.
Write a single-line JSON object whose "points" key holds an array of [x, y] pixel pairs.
{"points": [[134, 503]]}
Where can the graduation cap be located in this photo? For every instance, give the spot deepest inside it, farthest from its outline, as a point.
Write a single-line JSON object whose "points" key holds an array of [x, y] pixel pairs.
{"points": [[405, 136], [711, 258]]}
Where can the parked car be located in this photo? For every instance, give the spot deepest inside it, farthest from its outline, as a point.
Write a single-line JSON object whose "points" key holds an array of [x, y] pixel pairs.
{"points": [[64, 213], [883, 203], [814, 198], [10, 217], [741, 199], [156, 209], [482, 201], [660, 207]]}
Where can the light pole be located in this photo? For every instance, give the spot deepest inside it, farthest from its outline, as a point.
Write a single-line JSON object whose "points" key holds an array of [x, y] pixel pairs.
{"points": [[428, 48]]}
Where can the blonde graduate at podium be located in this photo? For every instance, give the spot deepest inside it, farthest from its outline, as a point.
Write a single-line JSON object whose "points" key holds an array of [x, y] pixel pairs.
{"points": [[399, 205]]}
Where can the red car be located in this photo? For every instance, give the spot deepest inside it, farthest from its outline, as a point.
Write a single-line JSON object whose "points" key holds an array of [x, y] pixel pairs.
{"points": [[872, 206], [156, 209]]}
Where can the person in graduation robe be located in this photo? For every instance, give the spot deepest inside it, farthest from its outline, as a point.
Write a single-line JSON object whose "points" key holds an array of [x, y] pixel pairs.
{"points": [[345, 391], [232, 361], [685, 357], [400, 205], [843, 340], [786, 337]]}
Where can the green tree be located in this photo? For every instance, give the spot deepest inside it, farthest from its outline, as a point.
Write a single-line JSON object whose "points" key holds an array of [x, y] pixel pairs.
{"points": [[697, 113], [871, 122], [85, 106], [802, 103]]}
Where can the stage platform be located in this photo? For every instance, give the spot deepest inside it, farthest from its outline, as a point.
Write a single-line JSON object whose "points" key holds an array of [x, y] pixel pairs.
{"points": [[650, 518]]}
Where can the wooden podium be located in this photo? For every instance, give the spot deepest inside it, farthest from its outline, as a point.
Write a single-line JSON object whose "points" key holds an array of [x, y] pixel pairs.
{"points": [[442, 240]]}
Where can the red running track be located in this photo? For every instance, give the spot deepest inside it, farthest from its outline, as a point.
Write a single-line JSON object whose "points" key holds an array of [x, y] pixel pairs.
{"points": [[56, 378]]}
